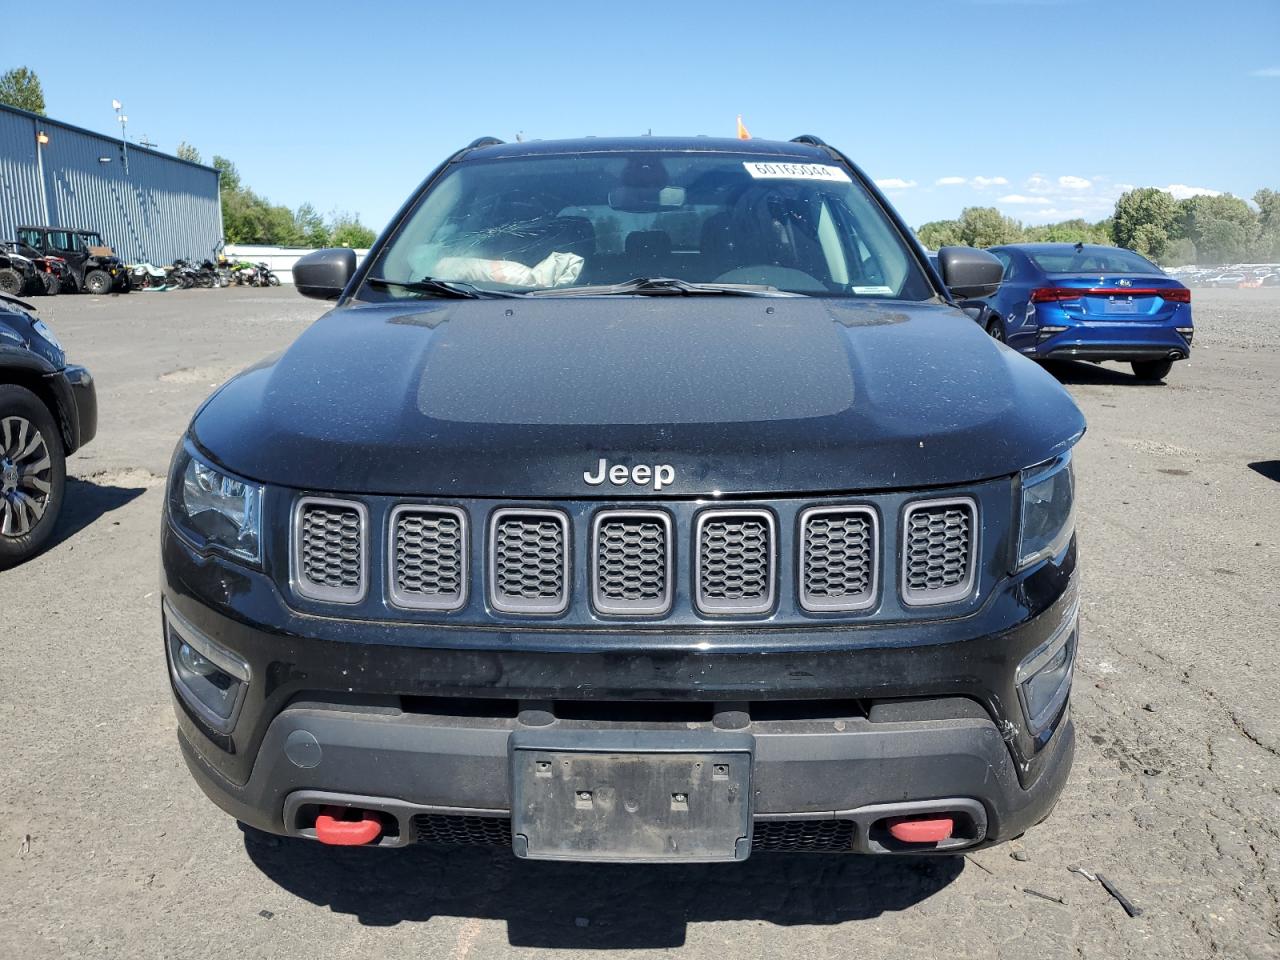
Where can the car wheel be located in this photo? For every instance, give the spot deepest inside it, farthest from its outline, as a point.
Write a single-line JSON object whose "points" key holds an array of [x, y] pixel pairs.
{"points": [[11, 282], [33, 475], [97, 282], [996, 329], [1151, 370]]}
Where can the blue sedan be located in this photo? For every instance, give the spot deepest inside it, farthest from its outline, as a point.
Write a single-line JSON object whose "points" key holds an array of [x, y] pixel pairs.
{"points": [[1067, 301]]}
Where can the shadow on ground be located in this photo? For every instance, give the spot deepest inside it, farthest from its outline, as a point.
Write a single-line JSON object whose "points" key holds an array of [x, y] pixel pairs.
{"points": [[565, 905], [1077, 371], [85, 502], [1267, 468]]}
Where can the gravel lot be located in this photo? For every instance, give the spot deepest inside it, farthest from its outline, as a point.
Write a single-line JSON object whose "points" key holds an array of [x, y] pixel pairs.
{"points": [[108, 849]]}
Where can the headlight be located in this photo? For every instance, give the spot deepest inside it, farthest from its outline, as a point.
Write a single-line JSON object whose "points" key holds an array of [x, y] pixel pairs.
{"points": [[40, 328], [214, 509], [1048, 510]]}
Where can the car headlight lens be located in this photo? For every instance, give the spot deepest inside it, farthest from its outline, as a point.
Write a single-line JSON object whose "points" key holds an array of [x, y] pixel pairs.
{"points": [[215, 509], [1048, 510]]}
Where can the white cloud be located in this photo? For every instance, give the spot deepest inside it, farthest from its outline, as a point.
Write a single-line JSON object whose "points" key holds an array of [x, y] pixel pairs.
{"points": [[1074, 183], [895, 183], [1037, 183], [1266, 72], [1053, 213], [950, 181], [1019, 198], [981, 182], [1181, 191]]}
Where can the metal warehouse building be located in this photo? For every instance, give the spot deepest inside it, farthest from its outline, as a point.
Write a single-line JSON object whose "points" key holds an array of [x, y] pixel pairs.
{"points": [[146, 204]]}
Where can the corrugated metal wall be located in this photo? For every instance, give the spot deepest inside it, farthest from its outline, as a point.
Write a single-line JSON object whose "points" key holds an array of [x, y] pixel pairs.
{"points": [[160, 209]]}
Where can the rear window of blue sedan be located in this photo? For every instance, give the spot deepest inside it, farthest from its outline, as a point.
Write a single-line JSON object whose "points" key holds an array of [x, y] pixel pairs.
{"points": [[1094, 261]]}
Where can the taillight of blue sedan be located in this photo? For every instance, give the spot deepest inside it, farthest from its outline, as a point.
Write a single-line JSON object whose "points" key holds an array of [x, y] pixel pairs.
{"points": [[1079, 302]]}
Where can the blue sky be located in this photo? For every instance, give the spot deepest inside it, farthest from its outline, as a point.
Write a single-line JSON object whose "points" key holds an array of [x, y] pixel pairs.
{"points": [[1044, 108]]}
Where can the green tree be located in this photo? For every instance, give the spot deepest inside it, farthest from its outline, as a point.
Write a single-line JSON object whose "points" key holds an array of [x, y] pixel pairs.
{"points": [[346, 230], [940, 233], [987, 227], [186, 151], [1145, 220], [229, 176], [1224, 228], [311, 226], [21, 88]]}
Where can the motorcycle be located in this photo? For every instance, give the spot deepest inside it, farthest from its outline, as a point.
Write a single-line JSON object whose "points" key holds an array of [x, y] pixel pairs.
{"points": [[147, 276], [266, 278]]}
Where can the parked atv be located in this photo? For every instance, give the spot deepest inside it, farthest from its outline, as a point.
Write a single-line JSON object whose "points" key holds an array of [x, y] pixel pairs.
{"points": [[93, 266], [52, 272], [18, 275]]}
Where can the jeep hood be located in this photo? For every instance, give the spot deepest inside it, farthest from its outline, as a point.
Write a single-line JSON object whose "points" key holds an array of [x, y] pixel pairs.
{"points": [[518, 398]]}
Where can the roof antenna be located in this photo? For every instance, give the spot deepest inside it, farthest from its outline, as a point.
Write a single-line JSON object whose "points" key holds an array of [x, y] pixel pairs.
{"points": [[1079, 246]]}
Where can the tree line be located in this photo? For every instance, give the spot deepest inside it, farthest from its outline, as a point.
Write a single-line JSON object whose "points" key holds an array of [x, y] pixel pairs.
{"points": [[1203, 230]]}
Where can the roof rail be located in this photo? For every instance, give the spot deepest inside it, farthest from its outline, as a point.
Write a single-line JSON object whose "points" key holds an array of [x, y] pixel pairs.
{"points": [[479, 142], [809, 138]]}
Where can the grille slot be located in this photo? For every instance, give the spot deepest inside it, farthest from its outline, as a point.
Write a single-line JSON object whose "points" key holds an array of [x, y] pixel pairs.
{"points": [[529, 561], [735, 561], [330, 549], [428, 557], [802, 836], [839, 558], [631, 562], [456, 829], [938, 550]]}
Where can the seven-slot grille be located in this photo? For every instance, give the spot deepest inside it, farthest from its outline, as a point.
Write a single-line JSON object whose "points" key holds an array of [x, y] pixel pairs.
{"points": [[428, 557], [631, 557], [631, 563], [330, 551], [938, 547], [735, 561], [529, 561], [839, 550]]}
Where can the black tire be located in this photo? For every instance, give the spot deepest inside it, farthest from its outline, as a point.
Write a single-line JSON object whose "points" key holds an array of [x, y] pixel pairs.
{"points": [[97, 282], [19, 402], [11, 282], [51, 285], [1153, 371], [69, 284], [995, 329], [273, 280]]}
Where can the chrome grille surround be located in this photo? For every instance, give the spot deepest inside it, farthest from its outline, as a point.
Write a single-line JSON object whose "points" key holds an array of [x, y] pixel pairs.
{"points": [[735, 545], [639, 559], [939, 551], [529, 550], [834, 557], [427, 544], [324, 563]]}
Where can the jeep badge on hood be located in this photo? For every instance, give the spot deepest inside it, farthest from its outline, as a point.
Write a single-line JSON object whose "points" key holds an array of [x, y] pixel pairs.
{"points": [[660, 475]]}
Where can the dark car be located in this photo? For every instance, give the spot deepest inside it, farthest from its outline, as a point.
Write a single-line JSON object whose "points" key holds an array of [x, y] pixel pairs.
{"points": [[48, 410], [92, 266], [1063, 301], [642, 499]]}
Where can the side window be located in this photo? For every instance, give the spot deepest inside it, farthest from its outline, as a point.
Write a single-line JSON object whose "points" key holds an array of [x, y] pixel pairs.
{"points": [[1010, 265], [30, 237]]}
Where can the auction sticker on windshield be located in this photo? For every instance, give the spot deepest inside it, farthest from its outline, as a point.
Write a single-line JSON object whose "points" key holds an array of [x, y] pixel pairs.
{"points": [[797, 171]]}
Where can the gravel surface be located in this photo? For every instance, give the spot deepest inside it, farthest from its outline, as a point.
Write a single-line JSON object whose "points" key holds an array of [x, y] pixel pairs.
{"points": [[108, 849]]}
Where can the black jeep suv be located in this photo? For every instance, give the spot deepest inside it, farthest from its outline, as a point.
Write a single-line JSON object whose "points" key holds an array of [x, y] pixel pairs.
{"points": [[638, 500], [48, 410]]}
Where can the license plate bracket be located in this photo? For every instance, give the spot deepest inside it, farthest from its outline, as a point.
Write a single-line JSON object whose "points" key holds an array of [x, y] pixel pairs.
{"points": [[631, 806], [1120, 306]]}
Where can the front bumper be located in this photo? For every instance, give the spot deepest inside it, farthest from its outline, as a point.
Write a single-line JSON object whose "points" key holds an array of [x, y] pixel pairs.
{"points": [[77, 405], [374, 711]]}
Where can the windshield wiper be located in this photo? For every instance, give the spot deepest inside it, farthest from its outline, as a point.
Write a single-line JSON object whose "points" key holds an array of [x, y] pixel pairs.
{"points": [[664, 286], [457, 289]]}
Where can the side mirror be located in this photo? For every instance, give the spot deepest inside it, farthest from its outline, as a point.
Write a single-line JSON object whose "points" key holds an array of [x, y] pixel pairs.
{"points": [[969, 274], [325, 273]]}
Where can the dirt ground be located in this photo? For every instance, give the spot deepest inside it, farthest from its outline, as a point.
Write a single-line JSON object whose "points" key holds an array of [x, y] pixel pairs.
{"points": [[108, 849]]}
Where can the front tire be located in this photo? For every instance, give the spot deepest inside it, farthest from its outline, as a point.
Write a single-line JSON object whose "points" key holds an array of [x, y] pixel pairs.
{"points": [[97, 282], [1152, 371], [11, 282], [33, 475]]}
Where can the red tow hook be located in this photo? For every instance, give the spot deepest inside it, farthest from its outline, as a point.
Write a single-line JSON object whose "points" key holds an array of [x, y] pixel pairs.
{"points": [[921, 829], [338, 832]]}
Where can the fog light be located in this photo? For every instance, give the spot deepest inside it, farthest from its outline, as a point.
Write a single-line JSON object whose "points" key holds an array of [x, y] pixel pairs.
{"points": [[1044, 678], [1186, 333], [1048, 331], [210, 679]]}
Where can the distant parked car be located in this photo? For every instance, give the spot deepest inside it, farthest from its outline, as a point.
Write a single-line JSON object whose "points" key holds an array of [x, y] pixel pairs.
{"points": [[1271, 280], [1084, 302], [1224, 280]]}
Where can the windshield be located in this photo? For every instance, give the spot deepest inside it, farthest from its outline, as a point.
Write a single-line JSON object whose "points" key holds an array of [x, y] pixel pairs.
{"points": [[555, 223], [1094, 260]]}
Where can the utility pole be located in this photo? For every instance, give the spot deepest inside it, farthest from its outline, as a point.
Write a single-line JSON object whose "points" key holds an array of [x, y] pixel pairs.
{"points": [[124, 141]]}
